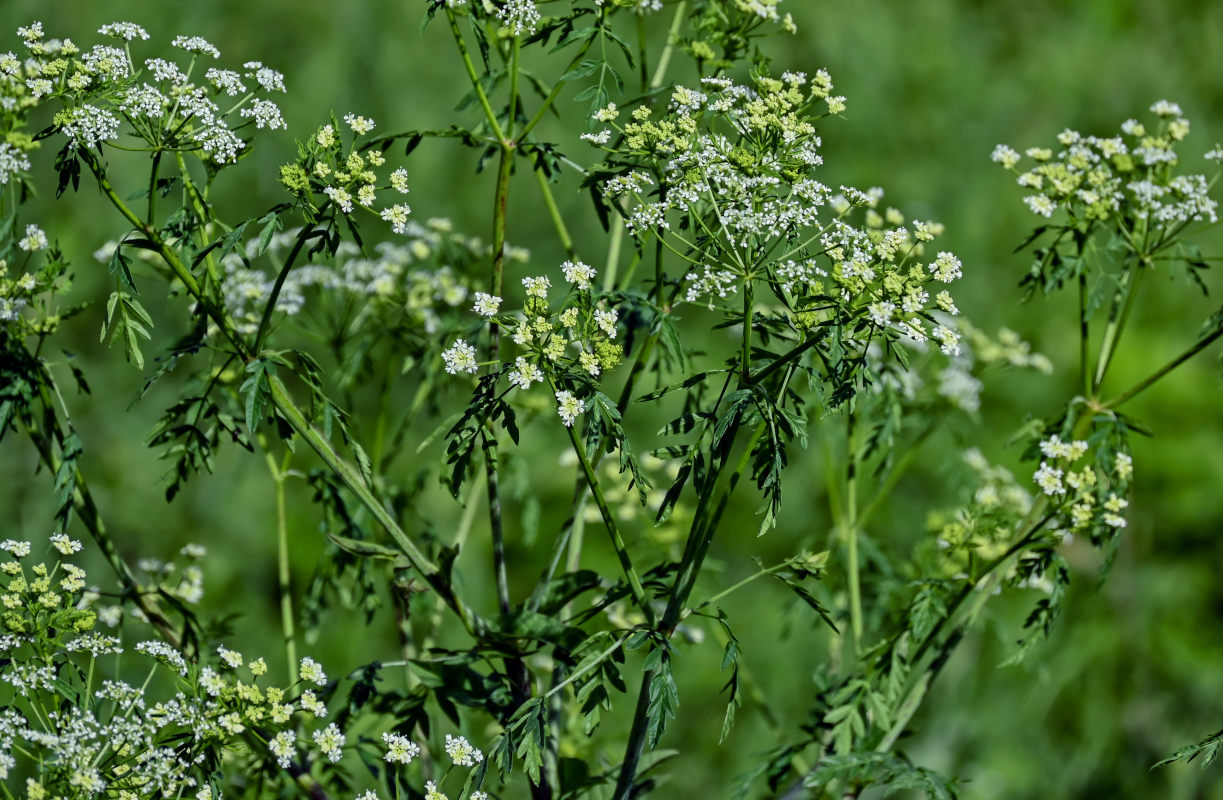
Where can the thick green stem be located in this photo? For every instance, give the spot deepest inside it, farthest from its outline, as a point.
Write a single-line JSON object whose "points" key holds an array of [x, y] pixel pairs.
{"points": [[700, 536], [495, 523], [664, 59], [351, 478]]}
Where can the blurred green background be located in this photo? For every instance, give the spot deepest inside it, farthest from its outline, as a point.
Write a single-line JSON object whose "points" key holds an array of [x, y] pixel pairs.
{"points": [[1135, 669]]}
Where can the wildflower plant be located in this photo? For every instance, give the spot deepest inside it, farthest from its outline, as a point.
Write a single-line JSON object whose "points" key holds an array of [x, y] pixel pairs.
{"points": [[743, 306]]}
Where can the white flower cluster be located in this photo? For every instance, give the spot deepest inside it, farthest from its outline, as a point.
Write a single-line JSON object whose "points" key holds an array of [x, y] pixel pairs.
{"points": [[584, 323], [116, 739], [737, 161], [103, 88], [1085, 494], [393, 274], [1094, 178]]}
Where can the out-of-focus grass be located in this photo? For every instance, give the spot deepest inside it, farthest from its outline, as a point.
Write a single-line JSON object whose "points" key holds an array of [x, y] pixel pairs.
{"points": [[1133, 671]]}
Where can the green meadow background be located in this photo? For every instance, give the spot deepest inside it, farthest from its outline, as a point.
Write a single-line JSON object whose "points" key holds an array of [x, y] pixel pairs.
{"points": [[1135, 668]]}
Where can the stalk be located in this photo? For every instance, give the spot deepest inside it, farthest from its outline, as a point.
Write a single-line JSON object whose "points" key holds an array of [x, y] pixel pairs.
{"points": [[613, 530], [1112, 333], [353, 480], [1146, 383], [280, 473], [849, 528]]}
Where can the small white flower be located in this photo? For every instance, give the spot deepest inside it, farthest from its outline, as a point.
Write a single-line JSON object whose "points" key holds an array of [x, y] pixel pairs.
{"points": [[462, 752], [946, 267], [266, 114], [597, 139], [65, 545], [1163, 108], [124, 30], [1123, 465], [397, 215], [330, 740], [1040, 205], [167, 655], [312, 703], [568, 407], [520, 16], [607, 114], [312, 671], [18, 549], [359, 125], [537, 286], [196, 44], [269, 79], [282, 746], [589, 362], [232, 658], [486, 305], [340, 197], [1049, 479], [1005, 155], [399, 749], [578, 274], [399, 180], [606, 320], [461, 357], [525, 373]]}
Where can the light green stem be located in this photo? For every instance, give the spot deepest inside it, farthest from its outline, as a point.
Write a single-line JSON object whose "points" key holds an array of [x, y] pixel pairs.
{"points": [[613, 530], [280, 474], [489, 114], [850, 530], [554, 213], [353, 480]]}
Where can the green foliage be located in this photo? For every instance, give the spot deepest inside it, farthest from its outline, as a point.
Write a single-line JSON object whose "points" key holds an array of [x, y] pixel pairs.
{"points": [[738, 306]]}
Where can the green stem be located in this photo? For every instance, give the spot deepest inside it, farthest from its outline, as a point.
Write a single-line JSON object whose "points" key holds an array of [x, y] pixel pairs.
{"points": [[489, 114], [897, 472], [664, 59], [351, 478], [849, 528], [1084, 365], [179, 270], [495, 524], [745, 356], [606, 654], [554, 213], [152, 207], [613, 530], [1146, 383], [1112, 333], [280, 473], [704, 525], [307, 233]]}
